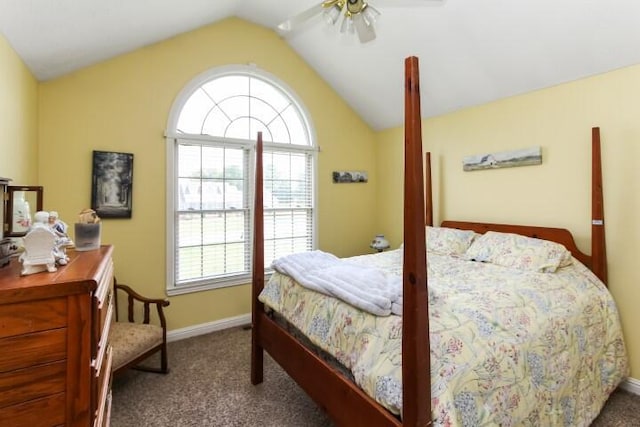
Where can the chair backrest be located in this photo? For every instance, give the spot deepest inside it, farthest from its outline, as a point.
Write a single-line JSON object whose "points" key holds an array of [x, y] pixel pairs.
{"points": [[150, 339]]}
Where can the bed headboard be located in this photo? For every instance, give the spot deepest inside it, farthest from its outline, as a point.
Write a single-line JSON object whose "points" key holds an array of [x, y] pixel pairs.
{"points": [[597, 261], [559, 235]]}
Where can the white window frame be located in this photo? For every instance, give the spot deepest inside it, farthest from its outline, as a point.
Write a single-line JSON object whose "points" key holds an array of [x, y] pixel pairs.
{"points": [[171, 140]]}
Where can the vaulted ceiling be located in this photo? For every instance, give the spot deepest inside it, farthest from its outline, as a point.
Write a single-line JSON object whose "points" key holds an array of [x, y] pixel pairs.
{"points": [[471, 51]]}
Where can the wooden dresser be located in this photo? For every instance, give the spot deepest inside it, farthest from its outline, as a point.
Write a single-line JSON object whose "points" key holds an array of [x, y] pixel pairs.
{"points": [[55, 358]]}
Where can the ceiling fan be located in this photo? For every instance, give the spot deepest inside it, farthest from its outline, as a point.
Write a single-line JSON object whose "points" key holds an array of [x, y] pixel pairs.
{"points": [[358, 16]]}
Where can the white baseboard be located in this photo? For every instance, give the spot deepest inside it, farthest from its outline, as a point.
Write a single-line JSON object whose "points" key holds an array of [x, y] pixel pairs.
{"points": [[205, 328], [631, 385]]}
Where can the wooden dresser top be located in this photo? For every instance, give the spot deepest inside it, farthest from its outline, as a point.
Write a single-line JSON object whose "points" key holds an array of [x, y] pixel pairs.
{"points": [[81, 274]]}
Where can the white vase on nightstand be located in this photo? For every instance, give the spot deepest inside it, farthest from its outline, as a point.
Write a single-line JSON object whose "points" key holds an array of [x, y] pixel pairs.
{"points": [[379, 243]]}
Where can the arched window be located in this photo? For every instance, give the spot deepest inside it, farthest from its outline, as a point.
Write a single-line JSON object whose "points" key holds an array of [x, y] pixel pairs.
{"points": [[211, 137]]}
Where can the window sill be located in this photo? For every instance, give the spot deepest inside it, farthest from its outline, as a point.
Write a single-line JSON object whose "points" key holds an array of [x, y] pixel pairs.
{"points": [[208, 286]]}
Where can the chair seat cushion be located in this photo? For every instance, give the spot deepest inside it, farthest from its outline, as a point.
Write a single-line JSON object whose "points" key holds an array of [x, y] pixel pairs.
{"points": [[130, 340]]}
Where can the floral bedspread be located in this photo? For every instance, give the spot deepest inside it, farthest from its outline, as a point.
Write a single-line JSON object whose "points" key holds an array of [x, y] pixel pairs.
{"points": [[508, 347]]}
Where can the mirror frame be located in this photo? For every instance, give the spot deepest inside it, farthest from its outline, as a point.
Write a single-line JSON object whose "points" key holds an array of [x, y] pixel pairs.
{"points": [[8, 220]]}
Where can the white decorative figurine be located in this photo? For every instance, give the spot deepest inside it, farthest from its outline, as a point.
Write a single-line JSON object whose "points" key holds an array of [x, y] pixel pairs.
{"points": [[39, 243], [58, 225], [43, 247], [63, 241]]}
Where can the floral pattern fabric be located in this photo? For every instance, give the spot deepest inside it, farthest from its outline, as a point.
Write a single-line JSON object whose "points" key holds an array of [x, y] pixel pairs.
{"points": [[508, 347], [521, 252], [448, 241]]}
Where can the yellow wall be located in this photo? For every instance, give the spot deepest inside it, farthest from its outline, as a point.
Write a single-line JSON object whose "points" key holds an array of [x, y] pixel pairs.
{"points": [[556, 193], [123, 105], [18, 119]]}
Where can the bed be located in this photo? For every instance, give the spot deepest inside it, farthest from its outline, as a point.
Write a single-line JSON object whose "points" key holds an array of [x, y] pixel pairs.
{"points": [[425, 368]]}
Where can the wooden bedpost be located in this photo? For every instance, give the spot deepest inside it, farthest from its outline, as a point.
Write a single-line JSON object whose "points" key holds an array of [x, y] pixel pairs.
{"points": [[598, 246], [428, 205], [257, 282], [416, 365]]}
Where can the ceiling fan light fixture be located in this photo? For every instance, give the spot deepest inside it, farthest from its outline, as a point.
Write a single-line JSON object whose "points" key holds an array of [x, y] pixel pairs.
{"points": [[346, 26], [370, 14], [332, 13], [366, 33], [355, 7], [358, 16]]}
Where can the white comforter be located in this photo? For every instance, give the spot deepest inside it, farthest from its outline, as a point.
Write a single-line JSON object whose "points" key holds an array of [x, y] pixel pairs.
{"points": [[369, 288]]}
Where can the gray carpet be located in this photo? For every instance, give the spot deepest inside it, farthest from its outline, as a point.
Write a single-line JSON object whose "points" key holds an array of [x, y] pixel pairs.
{"points": [[209, 386]]}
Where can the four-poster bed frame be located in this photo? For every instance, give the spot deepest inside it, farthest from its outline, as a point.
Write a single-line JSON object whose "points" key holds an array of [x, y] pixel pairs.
{"points": [[343, 400]]}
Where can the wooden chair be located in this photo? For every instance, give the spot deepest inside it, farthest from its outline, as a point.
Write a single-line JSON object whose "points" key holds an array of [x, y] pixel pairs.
{"points": [[132, 341]]}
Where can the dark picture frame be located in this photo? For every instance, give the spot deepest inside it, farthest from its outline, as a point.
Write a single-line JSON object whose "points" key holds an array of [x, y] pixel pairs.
{"points": [[112, 184]]}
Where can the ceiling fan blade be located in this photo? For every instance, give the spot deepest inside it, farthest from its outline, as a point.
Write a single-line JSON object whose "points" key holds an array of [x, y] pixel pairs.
{"points": [[366, 33], [295, 21]]}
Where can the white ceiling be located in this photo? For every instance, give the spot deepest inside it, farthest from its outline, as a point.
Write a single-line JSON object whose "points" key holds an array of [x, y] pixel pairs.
{"points": [[471, 51]]}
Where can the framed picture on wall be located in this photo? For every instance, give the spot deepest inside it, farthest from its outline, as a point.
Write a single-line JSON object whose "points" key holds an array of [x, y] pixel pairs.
{"points": [[112, 184], [348, 177]]}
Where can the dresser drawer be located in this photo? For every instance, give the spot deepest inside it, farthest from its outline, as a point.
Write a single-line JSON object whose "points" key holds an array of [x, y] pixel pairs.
{"points": [[105, 319], [105, 314], [33, 316], [105, 283], [46, 412], [102, 377], [103, 306], [104, 419], [32, 349], [32, 383]]}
